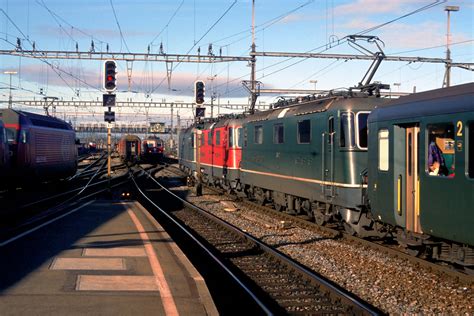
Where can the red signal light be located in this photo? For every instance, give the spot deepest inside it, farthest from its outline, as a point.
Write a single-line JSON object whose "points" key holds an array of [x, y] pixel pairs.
{"points": [[110, 83]]}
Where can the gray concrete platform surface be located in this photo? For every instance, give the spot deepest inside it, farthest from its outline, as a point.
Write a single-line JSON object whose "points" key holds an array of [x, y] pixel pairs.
{"points": [[103, 258]]}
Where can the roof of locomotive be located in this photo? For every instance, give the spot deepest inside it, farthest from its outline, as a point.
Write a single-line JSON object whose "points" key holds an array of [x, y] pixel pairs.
{"points": [[130, 138], [13, 117], [428, 103], [317, 105]]}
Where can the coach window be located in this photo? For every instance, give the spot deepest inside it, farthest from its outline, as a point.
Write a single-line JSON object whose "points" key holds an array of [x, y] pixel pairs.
{"points": [[383, 150], [362, 131], [278, 133], [470, 146], [231, 137], [440, 150], [304, 132], [258, 134], [218, 138], [347, 138]]}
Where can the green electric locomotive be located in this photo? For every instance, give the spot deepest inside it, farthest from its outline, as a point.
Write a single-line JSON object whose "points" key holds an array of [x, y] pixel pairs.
{"points": [[310, 156]]}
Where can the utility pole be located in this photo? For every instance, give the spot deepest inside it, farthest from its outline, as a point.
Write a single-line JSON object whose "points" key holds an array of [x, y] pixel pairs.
{"points": [[253, 61], [171, 136], [447, 75], [10, 100]]}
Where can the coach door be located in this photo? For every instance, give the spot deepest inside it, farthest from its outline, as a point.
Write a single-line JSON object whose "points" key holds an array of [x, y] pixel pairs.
{"points": [[412, 180]]}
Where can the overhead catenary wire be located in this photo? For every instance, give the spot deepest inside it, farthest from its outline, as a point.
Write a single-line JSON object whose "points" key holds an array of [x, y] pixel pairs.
{"points": [[341, 41], [56, 69], [120, 29], [168, 23], [433, 47], [69, 24], [197, 42]]}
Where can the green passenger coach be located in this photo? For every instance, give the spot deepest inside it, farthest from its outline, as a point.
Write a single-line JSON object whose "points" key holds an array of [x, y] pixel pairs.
{"points": [[421, 170]]}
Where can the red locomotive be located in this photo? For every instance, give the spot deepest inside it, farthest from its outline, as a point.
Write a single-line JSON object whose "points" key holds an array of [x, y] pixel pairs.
{"points": [[220, 150], [41, 147], [152, 149]]}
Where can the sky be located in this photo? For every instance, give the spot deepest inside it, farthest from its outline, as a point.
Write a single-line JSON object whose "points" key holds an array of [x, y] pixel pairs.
{"points": [[184, 26]]}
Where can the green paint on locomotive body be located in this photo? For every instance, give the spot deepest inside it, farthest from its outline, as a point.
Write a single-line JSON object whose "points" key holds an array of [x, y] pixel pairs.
{"points": [[314, 170], [446, 202]]}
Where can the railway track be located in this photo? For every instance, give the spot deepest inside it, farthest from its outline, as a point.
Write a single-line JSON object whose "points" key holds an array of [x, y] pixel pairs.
{"points": [[381, 273], [279, 284], [334, 232], [30, 208]]}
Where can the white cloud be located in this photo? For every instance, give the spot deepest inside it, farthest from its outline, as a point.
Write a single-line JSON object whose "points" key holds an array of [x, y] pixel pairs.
{"points": [[368, 7], [181, 83]]}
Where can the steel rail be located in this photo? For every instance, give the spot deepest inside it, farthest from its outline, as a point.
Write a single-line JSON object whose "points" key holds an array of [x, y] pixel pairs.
{"points": [[264, 308], [87, 168], [356, 301]]}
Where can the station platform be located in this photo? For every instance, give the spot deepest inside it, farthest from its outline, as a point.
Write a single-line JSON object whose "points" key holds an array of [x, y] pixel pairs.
{"points": [[102, 258]]}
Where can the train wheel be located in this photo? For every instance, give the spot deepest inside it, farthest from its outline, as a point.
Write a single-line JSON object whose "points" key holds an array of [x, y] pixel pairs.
{"points": [[259, 196], [306, 207], [319, 218], [348, 228]]}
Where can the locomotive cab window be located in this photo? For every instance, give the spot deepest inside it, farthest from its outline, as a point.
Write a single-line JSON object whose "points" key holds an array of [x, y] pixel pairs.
{"points": [[209, 137], [362, 129], [470, 145], [347, 137], [440, 150], [331, 129], [304, 132], [383, 154], [218, 138], [24, 136], [203, 139], [258, 134], [278, 134], [10, 135], [239, 137], [231, 137]]}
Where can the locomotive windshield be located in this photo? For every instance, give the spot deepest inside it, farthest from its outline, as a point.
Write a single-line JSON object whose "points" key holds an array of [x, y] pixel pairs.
{"points": [[362, 131], [354, 130], [231, 137], [347, 138]]}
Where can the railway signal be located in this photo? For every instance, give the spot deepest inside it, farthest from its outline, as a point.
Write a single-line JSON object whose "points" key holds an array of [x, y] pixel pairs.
{"points": [[199, 91], [200, 112], [108, 100], [110, 80], [109, 116]]}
